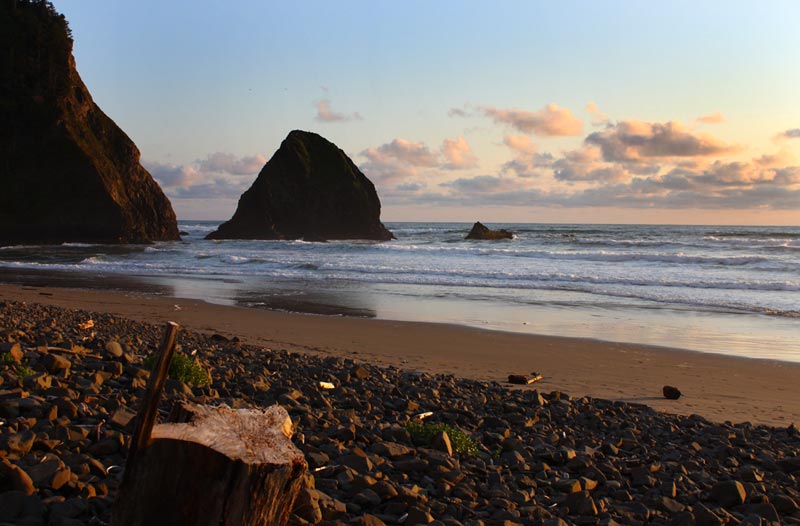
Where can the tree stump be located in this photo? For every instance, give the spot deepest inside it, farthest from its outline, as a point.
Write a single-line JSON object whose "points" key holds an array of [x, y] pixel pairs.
{"points": [[220, 467]]}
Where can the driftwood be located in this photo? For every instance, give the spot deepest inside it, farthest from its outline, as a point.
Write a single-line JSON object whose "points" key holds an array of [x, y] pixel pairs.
{"points": [[213, 466], [524, 379], [47, 349]]}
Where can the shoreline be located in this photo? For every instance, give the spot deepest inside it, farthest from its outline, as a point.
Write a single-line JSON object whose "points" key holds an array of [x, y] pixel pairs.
{"points": [[718, 387]]}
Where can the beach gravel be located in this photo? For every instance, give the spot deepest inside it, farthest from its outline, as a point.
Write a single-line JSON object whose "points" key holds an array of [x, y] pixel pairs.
{"points": [[485, 456]]}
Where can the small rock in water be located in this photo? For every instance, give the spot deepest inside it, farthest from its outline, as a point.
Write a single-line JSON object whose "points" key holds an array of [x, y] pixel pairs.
{"points": [[671, 393]]}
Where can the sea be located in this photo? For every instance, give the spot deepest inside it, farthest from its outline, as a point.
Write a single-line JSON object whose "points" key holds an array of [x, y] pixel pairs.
{"points": [[724, 289]]}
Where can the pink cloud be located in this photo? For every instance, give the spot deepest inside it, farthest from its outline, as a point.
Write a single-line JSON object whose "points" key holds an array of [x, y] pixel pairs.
{"points": [[632, 140], [458, 154], [550, 121], [598, 117], [521, 144], [326, 114], [712, 118]]}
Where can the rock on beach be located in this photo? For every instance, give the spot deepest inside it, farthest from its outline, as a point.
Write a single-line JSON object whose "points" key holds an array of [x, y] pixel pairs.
{"points": [[536, 457]]}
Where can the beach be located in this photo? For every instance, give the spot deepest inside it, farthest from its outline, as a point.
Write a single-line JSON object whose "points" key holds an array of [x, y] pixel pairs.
{"points": [[416, 443], [717, 387]]}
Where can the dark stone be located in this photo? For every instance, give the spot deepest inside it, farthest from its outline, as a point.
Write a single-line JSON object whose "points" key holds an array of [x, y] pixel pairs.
{"points": [[671, 393], [114, 349], [309, 189], [14, 505], [68, 172], [704, 516], [14, 350], [18, 443], [56, 364], [581, 503], [442, 442], [481, 231], [729, 493], [15, 478], [306, 505]]}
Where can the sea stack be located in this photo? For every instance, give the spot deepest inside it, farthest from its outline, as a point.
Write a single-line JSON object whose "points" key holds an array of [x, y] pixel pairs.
{"points": [[309, 189], [481, 231], [68, 173]]}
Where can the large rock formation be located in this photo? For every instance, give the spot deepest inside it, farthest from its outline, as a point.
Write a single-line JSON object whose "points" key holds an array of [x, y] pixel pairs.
{"points": [[67, 172], [481, 231], [309, 189]]}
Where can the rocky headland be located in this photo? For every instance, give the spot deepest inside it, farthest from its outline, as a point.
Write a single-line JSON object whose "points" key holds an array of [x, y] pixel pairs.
{"points": [[309, 189], [68, 172], [481, 231], [384, 445]]}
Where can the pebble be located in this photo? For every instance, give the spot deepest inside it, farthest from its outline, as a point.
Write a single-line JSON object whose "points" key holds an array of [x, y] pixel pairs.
{"points": [[540, 458]]}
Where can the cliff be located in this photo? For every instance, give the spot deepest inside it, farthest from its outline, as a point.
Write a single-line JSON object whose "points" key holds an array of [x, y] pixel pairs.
{"points": [[67, 171], [309, 189]]}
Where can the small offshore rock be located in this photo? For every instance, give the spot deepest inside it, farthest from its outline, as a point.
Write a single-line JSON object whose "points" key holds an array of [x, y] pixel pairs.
{"points": [[482, 232], [671, 393]]}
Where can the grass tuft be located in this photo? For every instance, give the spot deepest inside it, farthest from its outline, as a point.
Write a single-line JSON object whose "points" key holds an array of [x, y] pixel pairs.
{"points": [[23, 371], [185, 369], [461, 442]]}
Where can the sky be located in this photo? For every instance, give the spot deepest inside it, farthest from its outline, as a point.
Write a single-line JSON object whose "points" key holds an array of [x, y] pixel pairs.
{"points": [[510, 111]]}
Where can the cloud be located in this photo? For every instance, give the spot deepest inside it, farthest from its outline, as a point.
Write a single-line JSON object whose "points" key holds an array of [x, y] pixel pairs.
{"points": [[794, 133], [220, 162], [217, 188], [458, 154], [598, 117], [712, 118], [549, 121], [521, 144], [413, 153], [326, 114], [481, 184], [402, 159], [633, 140], [736, 186], [780, 158], [170, 175], [586, 164], [397, 160], [220, 174], [526, 160], [457, 112]]}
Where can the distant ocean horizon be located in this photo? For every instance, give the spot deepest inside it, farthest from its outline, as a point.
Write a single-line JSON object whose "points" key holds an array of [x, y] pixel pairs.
{"points": [[725, 289]]}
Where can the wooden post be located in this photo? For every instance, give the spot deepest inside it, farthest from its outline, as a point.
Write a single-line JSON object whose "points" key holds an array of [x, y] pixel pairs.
{"points": [[216, 467], [155, 385]]}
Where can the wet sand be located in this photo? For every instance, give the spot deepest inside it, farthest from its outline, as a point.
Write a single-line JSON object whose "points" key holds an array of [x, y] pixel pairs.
{"points": [[715, 386]]}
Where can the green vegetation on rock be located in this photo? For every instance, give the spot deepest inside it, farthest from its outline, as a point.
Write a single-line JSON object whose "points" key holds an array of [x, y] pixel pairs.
{"points": [[461, 442], [184, 369], [23, 371]]}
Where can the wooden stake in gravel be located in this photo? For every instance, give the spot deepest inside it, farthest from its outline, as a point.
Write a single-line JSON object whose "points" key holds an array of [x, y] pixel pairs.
{"points": [[215, 466], [155, 385]]}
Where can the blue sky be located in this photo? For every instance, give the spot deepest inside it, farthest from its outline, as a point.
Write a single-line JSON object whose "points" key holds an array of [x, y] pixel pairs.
{"points": [[461, 108]]}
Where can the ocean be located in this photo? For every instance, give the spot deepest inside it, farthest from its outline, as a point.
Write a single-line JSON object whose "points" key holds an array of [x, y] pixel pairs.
{"points": [[723, 289]]}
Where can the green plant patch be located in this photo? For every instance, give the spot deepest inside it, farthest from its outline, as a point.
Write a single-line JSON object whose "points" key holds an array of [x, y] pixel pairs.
{"points": [[6, 359], [187, 370], [23, 371], [462, 443]]}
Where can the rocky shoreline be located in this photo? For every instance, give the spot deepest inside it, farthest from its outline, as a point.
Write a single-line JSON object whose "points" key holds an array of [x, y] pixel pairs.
{"points": [[69, 390]]}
